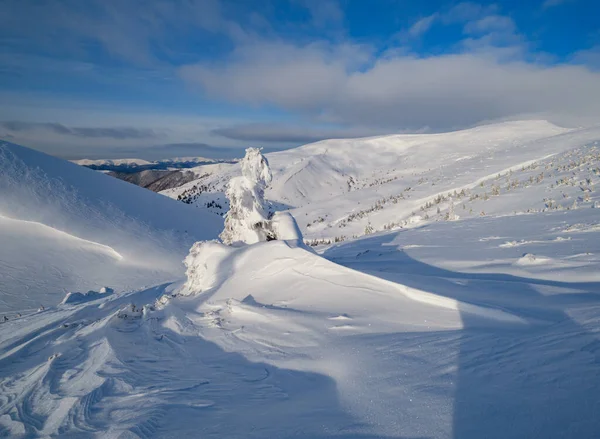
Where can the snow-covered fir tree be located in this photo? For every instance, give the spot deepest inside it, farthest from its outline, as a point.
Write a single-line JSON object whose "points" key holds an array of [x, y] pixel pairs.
{"points": [[247, 219], [451, 215]]}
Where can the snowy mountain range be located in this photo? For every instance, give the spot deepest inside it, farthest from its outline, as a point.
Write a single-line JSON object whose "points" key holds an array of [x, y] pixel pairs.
{"points": [[453, 291], [339, 188], [136, 165]]}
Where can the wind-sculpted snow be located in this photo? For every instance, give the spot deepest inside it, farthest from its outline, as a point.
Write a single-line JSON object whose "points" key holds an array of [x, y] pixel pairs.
{"points": [[132, 363], [64, 227], [279, 342], [77, 297]]}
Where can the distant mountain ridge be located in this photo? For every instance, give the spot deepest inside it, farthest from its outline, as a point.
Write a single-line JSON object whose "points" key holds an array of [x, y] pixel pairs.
{"points": [[135, 165], [156, 179]]}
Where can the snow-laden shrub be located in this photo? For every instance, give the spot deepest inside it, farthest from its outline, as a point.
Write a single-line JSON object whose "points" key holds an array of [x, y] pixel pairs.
{"points": [[451, 214], [204, 264], [249, 211], [284, 227]]}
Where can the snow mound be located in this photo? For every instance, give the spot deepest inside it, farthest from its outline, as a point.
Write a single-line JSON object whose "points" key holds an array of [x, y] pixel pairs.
{"points": [[531, 259], [205, 266], [279, 272], [76, 297], [285, 227]]}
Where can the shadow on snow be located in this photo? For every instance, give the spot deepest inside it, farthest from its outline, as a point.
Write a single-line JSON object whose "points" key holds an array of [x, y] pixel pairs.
{"points": [[541, 380]]}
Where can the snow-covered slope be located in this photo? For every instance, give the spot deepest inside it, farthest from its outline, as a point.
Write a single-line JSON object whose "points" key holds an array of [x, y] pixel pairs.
{"points": [[282, 320], [480, 321], [65, 227], [433, 332], [338, 188]]}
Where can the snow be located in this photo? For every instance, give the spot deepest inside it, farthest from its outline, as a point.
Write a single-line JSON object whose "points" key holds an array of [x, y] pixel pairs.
{"points": [[248, 212], [112, 162], [449, 324], [204, 265], [134, 164], [336, 188], [76, 297], [67, 228], [286, 228]]}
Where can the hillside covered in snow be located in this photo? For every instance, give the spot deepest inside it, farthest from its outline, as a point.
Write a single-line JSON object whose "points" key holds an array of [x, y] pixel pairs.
{"points": [[65, 227], [338, 189], [452, 291]]}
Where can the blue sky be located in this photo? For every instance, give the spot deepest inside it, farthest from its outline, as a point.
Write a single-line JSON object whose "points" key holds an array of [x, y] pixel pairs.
{"points": [[115, 78]]}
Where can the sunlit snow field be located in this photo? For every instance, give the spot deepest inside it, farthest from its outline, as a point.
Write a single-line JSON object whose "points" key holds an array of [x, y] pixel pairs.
{"points": [[467, 306]]}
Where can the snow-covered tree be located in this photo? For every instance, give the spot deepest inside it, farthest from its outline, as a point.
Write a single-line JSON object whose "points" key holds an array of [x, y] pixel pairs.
{"points": [[248, 214], [451, 215], [248, 221]]}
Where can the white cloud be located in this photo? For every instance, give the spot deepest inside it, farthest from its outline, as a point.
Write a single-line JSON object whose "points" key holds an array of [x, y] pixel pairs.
{"points": [[128, 30], [343, 85], [589, 57], [489, 75], [490, 23], [477, 19], [280, 73], [422, 26]]}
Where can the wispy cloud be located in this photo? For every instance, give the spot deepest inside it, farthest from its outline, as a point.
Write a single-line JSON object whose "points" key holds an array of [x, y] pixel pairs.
{"points": [[323, 12], [476, 19], [119, 133], [589, 57], [552, 3], [274, 133], [490, 23], [421, 26], [134, 31]]}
